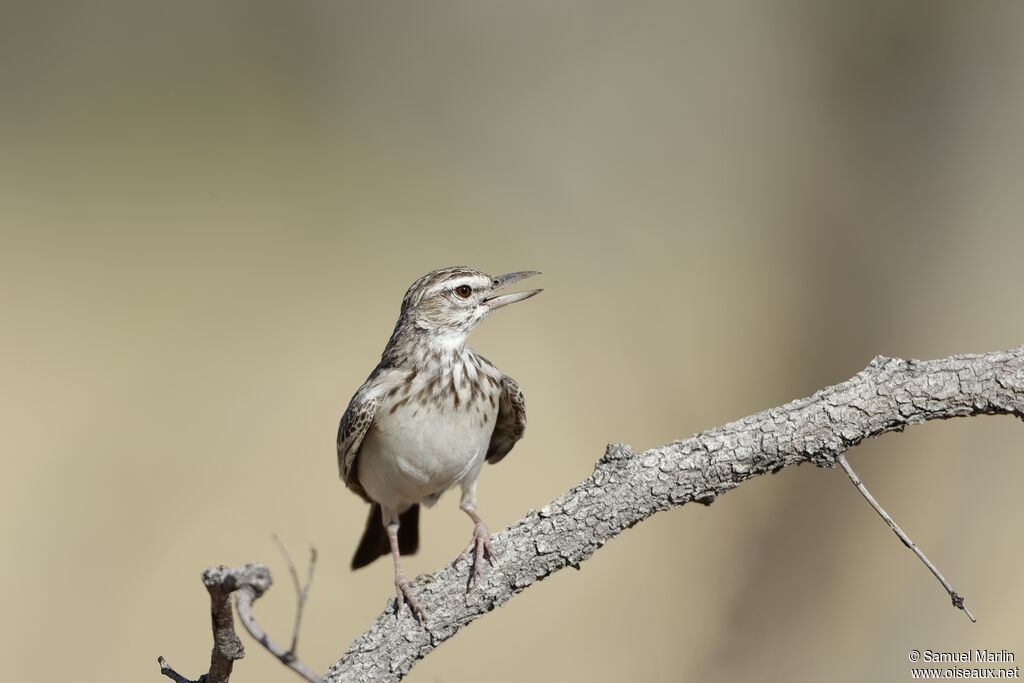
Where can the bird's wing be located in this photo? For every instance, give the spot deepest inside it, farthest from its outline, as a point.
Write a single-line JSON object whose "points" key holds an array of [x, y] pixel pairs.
{"points": [[511, 422], [354, 423]]}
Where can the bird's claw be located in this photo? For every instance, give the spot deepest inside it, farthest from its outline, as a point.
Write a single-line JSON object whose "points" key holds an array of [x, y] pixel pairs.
{"points": [[478, 548], [403, 595]]}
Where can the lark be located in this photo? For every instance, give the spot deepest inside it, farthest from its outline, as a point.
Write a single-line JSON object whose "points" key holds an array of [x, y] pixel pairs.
{"points": [[429, 416]]}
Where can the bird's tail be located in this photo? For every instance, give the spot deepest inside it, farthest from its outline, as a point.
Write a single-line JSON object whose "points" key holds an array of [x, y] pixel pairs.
{"points": [[374, 542]]}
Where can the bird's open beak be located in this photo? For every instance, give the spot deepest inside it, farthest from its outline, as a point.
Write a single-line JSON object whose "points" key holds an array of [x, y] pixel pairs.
{"points": [[503, 281]]}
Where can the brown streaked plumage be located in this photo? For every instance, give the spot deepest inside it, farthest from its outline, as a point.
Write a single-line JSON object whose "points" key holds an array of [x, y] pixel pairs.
{"points": [[429, 415]]}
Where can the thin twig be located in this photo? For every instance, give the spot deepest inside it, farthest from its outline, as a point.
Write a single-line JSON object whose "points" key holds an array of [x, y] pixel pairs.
{"points": [[248, 583], [244, 597], [301, 593], [957, 599], [167, 670]]}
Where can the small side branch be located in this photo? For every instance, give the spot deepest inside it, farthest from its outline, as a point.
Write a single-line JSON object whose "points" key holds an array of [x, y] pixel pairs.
{"points": [[248, 582], [247, 594], [958, 600], [301, 592], [168, 671]]}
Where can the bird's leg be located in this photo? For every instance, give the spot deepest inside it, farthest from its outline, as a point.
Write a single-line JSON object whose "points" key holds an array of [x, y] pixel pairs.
{"points": [[403, 590], [481, 543]]}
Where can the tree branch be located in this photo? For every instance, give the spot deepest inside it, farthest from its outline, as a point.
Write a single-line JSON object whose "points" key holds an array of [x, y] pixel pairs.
{"points": [[247, 594], [301, 592], [167, 670], [626, 488], [249, 582], [220, 582], [958, 600]]}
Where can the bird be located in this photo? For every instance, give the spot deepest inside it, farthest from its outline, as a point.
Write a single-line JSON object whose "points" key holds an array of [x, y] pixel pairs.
{"points": [[428, 417]]}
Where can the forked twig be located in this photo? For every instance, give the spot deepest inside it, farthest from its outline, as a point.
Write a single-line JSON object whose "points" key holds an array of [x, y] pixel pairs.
{"points": [[958, 600], [248, 583], [301, 593]]}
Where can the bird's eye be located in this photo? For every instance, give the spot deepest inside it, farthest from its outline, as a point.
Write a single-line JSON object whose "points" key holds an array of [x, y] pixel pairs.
{"points": [[464, 291]]}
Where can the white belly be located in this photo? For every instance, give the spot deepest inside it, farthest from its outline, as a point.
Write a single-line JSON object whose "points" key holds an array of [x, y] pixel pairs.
{"points": [[416, 453]]}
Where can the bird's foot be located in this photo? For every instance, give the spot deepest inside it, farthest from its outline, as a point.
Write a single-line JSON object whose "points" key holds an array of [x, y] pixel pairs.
{"points": [[479, 547], [404, 594]]}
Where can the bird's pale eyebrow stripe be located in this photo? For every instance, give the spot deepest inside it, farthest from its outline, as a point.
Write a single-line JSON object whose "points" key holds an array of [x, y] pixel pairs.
{"points": [[471, 280]]}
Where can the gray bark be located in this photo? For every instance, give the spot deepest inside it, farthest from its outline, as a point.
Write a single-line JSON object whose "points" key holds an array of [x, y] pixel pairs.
{"points": [[248, 583], [220, 583], [626, 488]]}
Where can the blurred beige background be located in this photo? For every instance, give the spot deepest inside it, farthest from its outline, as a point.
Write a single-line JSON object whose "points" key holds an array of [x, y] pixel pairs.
{"points": [[210, 212]]}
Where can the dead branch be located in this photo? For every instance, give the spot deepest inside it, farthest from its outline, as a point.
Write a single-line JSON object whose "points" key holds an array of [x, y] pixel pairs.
{"points": [[220, 582], [249, 593], [625, 488], [249, 582], [958, 601], [301, 592]]}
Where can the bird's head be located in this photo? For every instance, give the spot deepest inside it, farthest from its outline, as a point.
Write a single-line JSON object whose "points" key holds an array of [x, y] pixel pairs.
{"points": [[448, 303]]}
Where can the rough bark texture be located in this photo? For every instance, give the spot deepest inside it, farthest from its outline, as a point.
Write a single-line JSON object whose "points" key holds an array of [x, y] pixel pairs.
{"points": [[221, 582], [248, 582], [626, 488]]}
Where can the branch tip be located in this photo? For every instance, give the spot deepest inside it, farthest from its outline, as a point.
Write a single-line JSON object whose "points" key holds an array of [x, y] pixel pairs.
{"points": [[167, 670], [301, 592], [958, 600]]}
